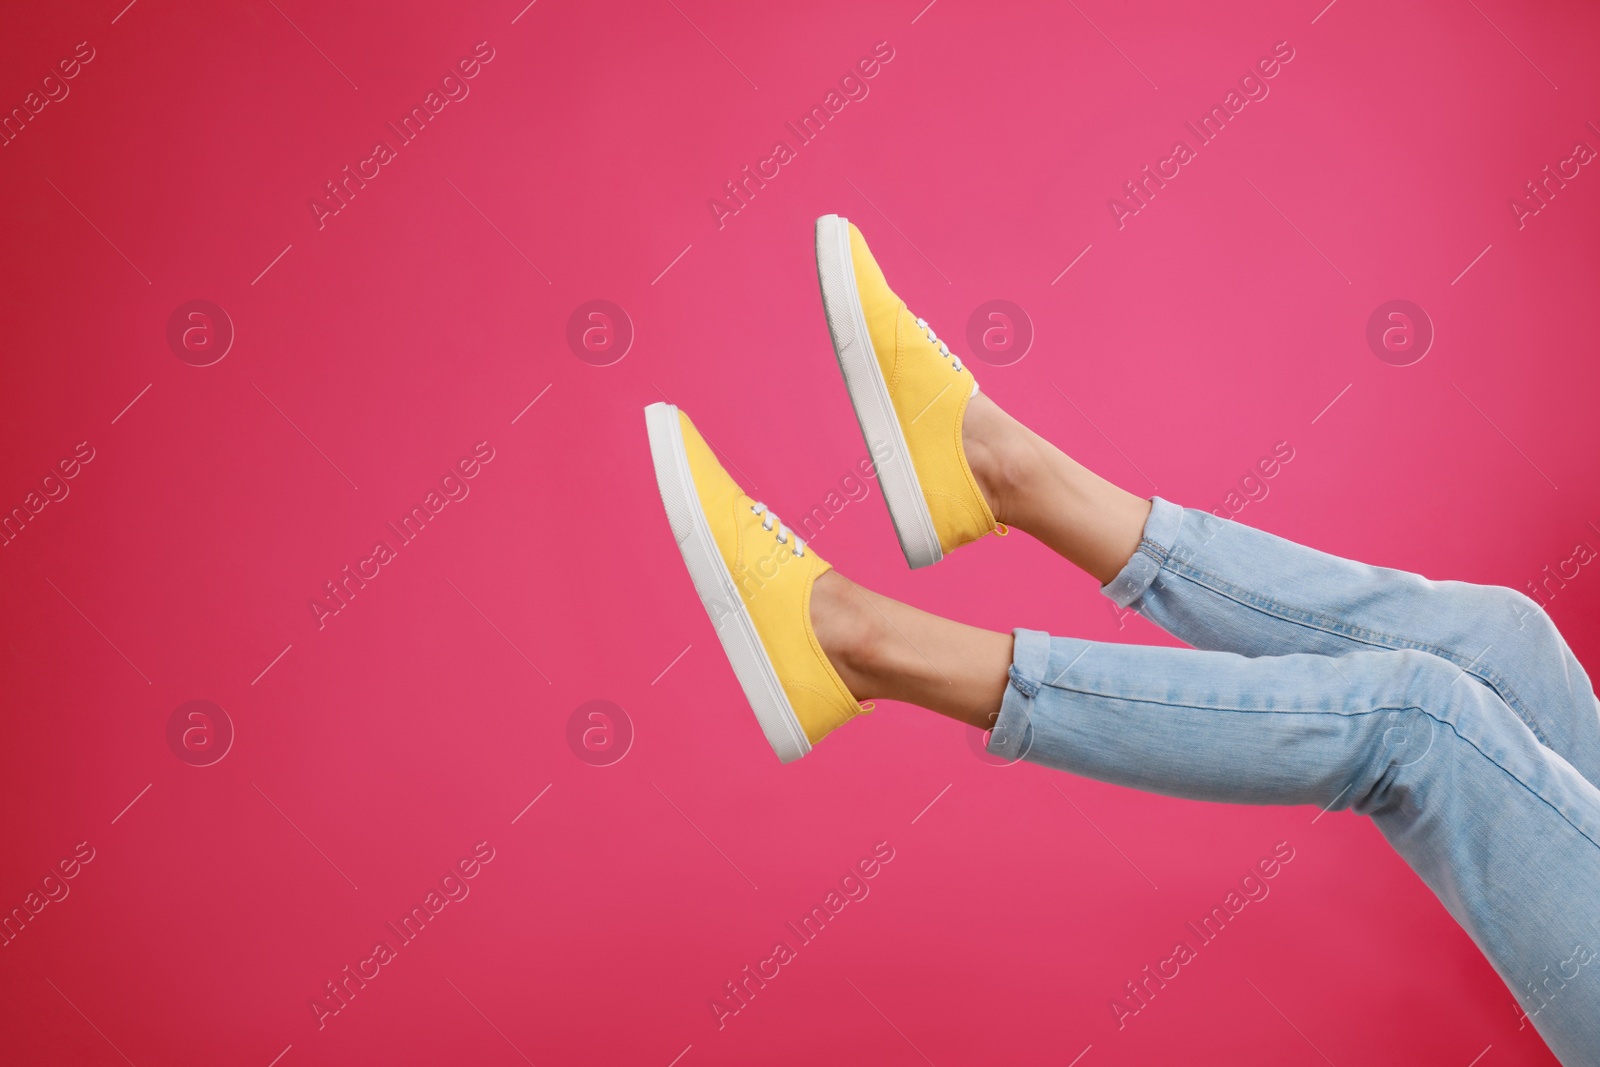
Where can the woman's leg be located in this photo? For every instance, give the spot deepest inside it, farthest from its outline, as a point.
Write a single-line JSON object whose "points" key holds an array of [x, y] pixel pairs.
{"points": [[887, 650], [1504, 831], [1221, 585]]}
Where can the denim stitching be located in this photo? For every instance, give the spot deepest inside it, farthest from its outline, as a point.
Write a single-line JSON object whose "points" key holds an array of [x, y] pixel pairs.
{"points": [[1154, 549], [1157, 552], [1023, 684]]}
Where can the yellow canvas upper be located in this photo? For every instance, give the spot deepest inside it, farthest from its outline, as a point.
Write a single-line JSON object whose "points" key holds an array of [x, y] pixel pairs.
{"points": [[930, 400], [775, 587]]}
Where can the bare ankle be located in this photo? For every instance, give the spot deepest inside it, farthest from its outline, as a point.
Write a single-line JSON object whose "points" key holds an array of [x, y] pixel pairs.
{"points": [[849, 630], [1003, 455]]}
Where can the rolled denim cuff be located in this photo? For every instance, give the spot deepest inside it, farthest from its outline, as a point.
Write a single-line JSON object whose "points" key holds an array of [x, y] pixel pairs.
{"points": [[1160, 534], [1030, 656]]}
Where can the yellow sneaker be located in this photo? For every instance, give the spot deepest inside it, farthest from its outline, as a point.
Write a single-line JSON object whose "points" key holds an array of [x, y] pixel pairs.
{"points": [[754, 577], [910, 395]]}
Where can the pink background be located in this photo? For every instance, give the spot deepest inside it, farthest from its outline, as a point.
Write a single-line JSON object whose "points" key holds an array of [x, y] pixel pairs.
{"points": [[372, 754]]}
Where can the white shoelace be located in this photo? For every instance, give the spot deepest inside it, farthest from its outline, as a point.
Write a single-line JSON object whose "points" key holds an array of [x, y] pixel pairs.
{"points": [[944, 349], [768, 519]]}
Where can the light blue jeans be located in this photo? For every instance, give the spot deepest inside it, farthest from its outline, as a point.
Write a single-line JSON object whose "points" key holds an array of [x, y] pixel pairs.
{"points": [[1452, 714]]}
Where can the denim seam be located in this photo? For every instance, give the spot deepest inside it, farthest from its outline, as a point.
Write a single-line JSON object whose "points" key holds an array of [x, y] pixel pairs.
{"points": [[1158, 553], [1089, 691], [1359, 634], [1024, 685], [1154, 549]]}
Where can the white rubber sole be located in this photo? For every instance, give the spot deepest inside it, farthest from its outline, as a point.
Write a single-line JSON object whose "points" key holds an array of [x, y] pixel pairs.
{"points": [[869, 395], [713, 582]]}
